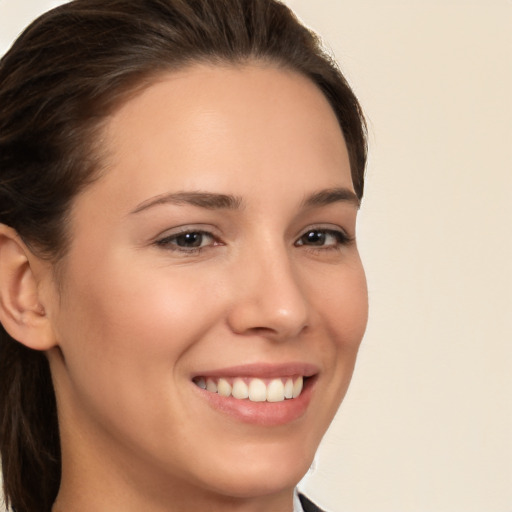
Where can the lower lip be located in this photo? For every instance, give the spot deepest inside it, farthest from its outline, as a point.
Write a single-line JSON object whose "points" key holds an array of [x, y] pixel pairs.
{"points": [[267, 414]]}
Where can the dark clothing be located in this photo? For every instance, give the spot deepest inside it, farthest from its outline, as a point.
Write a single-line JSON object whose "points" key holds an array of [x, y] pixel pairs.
{"points": [[307, 505]]}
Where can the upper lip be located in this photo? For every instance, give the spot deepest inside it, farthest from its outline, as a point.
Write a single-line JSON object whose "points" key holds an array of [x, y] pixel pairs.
{"points": [[263, 370]]}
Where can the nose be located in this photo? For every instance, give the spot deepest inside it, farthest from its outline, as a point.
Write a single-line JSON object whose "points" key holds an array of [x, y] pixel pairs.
{"points": [[269, 299]]}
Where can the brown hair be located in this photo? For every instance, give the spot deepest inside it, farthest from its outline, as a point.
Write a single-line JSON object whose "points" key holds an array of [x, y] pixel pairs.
{"points": [[62, 77]]}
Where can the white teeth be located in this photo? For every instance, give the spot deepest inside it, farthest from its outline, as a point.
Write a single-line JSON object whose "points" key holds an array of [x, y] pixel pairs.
{"points": [[211, 386], [297, 387], [275, 391], [240, 389], [224, 387], [257, 391], [288, 389]]}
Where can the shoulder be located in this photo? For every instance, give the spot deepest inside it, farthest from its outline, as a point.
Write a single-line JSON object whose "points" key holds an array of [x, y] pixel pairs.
{"points": [[308, 505]]}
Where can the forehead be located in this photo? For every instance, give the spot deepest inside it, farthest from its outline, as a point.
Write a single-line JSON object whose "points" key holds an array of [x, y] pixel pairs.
{"points": [[212, 127]]}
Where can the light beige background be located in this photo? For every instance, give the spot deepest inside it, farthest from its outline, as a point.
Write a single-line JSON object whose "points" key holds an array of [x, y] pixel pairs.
{"points": [[427, 424]]}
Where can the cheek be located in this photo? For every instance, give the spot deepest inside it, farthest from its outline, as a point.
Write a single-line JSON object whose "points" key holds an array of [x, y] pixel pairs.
{"points": [[345, 313], [136, 308], [125, 332], [124, 336], [344, 305]]}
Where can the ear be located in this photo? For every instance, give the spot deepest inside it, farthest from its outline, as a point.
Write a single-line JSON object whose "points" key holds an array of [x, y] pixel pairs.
{"points": [[22, 312]]}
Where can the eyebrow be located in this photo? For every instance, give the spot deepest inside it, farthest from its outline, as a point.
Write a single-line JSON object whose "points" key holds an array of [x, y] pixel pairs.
{"points": [[206, 200], [331, 195], [213, 201]]}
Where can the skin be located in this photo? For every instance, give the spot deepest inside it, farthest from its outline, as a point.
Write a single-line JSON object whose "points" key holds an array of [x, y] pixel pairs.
{"points": [[133, 319]]}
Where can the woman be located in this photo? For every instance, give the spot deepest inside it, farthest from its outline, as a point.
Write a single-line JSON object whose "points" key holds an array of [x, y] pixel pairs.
{"points": [[182, 298]]}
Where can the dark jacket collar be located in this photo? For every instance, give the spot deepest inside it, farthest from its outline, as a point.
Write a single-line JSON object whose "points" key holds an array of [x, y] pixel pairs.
{"points": [[307, 505]]}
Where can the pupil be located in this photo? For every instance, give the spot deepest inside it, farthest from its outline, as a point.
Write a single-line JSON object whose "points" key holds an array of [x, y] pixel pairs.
{"points": [[189, 240], [315, 237]]}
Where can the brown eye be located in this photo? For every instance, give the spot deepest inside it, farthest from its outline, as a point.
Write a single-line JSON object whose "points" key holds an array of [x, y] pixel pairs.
{"points": [[314, 238], [187, 241], [323, 238]]}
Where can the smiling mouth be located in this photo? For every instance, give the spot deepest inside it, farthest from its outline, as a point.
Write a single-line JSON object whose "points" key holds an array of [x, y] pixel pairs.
{"points": [[254, 389]]}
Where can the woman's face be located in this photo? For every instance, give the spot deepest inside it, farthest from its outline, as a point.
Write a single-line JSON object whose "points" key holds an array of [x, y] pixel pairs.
{"points": [[217, 248]]}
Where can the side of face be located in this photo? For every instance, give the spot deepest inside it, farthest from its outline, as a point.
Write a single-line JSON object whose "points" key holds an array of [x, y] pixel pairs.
{"points": [[218, 245]]}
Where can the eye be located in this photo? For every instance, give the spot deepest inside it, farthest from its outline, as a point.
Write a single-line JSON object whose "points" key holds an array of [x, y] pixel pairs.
{"points": [[187, 241], [327, 238]]}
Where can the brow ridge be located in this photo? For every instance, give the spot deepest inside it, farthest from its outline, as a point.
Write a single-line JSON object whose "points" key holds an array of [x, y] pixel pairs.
{"points": [[331, 195], [208, 200]]}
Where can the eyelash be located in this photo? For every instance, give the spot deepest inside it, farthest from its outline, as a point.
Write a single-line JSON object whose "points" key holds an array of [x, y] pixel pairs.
{"points": [[170, 242]]}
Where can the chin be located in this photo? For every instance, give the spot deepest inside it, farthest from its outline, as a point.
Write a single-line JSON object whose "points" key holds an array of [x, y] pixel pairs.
{"points": [[269, 479], [260, 471]]}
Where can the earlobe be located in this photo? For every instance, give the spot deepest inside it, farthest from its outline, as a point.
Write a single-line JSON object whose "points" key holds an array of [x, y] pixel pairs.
{"points": [[22, 312]]}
